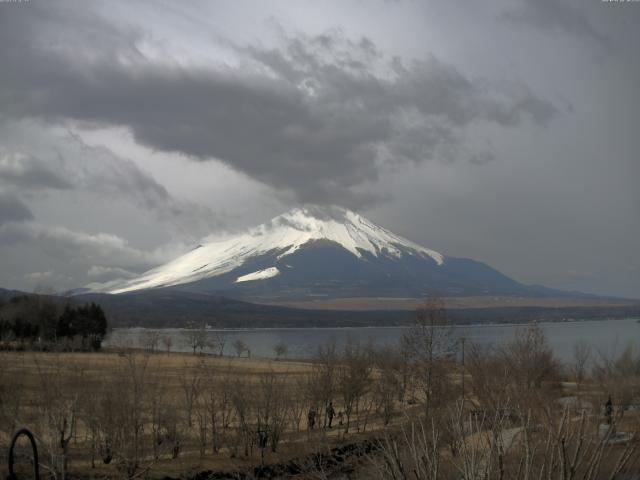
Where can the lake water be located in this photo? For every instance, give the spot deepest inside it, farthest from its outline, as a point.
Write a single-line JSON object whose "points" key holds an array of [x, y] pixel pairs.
{"points": [[604, 336]]}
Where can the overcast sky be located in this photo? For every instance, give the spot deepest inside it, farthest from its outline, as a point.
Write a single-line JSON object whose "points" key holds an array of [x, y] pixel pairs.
{"points": [[504, 131]]}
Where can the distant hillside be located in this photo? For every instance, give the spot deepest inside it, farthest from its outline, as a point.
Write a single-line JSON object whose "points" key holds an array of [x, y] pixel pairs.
{"points": [[160, 308], [166, 308]]}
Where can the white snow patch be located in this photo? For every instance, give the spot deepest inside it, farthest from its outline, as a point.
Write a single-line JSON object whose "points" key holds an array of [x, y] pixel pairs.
{"points": [[259, 275]]}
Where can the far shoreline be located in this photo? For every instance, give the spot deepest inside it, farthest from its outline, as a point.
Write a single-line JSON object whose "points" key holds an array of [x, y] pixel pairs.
{"points": [[362, 327]]}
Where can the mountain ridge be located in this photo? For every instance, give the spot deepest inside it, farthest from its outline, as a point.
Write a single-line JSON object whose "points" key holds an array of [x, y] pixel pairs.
{"points": [[283, 236], [322, 252]]}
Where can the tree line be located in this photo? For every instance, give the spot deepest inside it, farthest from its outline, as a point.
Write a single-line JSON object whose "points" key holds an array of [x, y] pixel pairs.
{"points": [[42, 321]]}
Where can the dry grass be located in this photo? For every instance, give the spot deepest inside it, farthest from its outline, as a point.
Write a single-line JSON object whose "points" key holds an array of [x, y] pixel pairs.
{"points": [[49, 391], [80, 374]]}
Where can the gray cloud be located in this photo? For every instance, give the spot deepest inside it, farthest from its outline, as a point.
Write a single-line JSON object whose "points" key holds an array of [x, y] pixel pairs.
{"points": [[40, 276], [74, 166], [80, 247], [556, 16], [58, 258], [24, 171], [102, 273], [12, 209], [481, 157], [319, 117], [101, 171]]}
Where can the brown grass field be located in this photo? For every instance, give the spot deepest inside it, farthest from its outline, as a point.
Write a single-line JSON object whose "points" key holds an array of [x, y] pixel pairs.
{"points": [[198, 413], [33, 376]]}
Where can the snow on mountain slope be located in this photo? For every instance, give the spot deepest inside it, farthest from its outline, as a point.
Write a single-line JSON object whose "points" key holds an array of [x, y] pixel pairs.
{"points": [[259, 275], [284, 234]]}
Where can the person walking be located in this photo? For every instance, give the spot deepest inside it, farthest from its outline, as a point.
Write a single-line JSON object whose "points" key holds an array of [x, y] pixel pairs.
{"points": [[608, 410], [311, 418], [330, 413]]}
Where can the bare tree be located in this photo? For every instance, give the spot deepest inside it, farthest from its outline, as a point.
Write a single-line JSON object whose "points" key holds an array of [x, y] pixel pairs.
{"points": [[354, 377], [240, 347], [151, 340], [241, 399], [60, 411], [12, 393], [88, 415], [490, 376], [488, 446], [218, 342], [322, 383], [531, 357], [427, 343], [190, 382], [579, 364], [388, 384], [270, 411], [619, 374], [523, 372], [123, 415], [159, 409], [195, 337], [298, 400], [135, 369], [280, 349], [202, 409], [220, 407]]}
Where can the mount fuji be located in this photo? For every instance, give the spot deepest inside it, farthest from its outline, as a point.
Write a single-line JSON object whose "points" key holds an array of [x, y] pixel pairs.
{"points": [[322, 252]]}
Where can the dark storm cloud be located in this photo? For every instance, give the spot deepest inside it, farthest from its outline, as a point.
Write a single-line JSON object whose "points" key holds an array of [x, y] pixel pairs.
{"points": [[12, 209], [320, 117], [556, 16]]}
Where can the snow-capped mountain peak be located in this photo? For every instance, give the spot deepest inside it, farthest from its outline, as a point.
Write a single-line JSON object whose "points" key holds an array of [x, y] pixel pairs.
{"points": [[352, 231], [283, 236]]}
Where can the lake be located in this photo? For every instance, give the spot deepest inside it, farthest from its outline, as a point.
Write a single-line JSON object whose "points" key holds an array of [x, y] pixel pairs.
{"points": [[604, 336]]}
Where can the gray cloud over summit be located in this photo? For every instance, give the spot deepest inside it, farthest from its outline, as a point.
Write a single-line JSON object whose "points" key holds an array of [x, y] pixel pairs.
{"points": [[319, 116]]}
